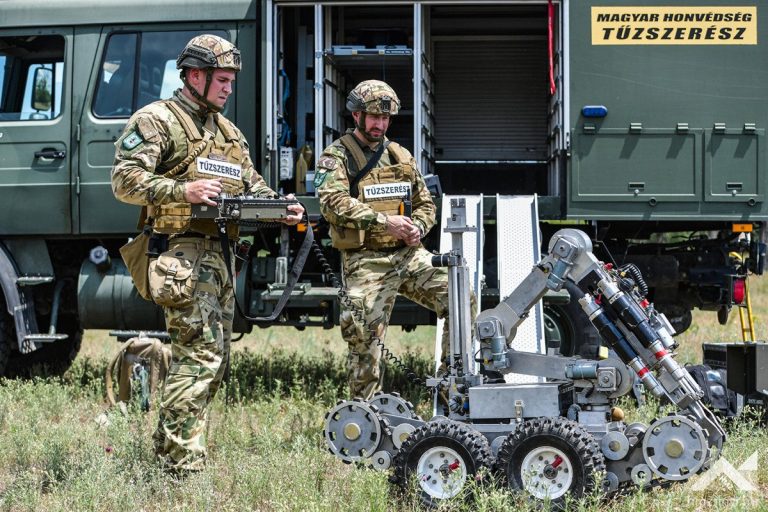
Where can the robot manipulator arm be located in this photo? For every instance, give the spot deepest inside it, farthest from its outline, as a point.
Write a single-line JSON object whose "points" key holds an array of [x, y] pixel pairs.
{"points": [[570, 257]]}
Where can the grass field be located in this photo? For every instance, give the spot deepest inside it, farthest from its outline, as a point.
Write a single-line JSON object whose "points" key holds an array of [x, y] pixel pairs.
{"points": [[57, 452]]}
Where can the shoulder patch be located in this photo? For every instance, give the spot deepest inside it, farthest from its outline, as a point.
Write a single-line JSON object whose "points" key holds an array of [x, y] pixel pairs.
{"points": [[132, 140], [336, 150], [145, 128], [320, 176], [328, 162]]}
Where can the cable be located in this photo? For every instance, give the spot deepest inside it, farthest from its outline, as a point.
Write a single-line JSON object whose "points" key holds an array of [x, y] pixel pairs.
{"points": [[642, 286], [285, 135], [360, 317]]}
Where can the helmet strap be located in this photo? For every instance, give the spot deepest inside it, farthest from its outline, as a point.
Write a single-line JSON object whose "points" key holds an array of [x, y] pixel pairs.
{"points": [[201, 98]]}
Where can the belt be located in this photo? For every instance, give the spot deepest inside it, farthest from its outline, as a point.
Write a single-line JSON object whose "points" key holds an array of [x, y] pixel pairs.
{"points": [[380, 249], [194, 234], [205, 242]]}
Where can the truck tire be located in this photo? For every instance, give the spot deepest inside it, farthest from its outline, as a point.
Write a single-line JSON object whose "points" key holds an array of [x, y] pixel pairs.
{"points": [[52, 359], [5, 339], [577, 336]]}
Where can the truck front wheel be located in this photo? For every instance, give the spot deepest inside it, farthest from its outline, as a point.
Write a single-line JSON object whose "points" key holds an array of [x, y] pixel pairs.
{"points": [[5, 338], [568, 328]]}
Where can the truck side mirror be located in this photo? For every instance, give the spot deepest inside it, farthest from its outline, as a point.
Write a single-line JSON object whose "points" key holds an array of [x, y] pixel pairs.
{"points": [[42, 89]]}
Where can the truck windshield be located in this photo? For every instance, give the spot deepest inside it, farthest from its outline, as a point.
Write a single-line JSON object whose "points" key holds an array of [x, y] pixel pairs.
{"points": [[31, 77]]}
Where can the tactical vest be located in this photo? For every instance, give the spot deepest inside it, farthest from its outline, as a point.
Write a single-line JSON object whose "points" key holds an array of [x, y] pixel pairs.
{"points": [[383, 189], [207, 158]]}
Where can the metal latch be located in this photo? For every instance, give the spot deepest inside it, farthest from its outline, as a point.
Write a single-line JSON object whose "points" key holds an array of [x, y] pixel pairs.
{"points": [[519, 405]]}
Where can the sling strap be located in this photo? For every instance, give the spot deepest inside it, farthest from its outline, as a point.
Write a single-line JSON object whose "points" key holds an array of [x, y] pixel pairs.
{"points": [[293, 276], [350, 143]]}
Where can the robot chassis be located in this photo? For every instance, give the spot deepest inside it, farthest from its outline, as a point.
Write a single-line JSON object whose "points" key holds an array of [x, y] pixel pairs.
{"points": [[549, 438]]}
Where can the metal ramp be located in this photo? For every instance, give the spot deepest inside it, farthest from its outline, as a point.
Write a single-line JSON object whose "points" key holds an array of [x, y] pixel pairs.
{"points": [[518, 249]]}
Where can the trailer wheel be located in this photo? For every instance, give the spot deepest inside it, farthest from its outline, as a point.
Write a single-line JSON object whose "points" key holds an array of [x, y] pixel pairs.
{"points": [[551, 459], [568, 324], [442, 457]]}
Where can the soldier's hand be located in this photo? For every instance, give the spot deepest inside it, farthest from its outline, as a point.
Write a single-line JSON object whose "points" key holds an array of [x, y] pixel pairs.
{"points": [[202, 191], [402, 228], [298, 211], [413, 239]]}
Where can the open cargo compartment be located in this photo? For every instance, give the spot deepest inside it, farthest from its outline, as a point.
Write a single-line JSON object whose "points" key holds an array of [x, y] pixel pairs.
{"points": [[491, 98], [473, 81]]}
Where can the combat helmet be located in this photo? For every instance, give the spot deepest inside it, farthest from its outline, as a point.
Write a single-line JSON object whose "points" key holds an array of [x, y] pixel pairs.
{"points": [[207, 52], [373, 97]]}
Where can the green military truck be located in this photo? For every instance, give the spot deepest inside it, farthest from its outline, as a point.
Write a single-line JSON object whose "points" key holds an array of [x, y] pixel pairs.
{"points": [[642, 124]]}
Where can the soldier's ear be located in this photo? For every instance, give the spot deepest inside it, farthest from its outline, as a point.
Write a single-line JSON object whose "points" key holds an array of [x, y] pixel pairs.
{"points": [[193, 76]]}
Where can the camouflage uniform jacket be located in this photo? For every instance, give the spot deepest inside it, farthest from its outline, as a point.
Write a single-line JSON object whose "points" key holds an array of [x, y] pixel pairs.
{"points": [[335, 169], [153, 143]]}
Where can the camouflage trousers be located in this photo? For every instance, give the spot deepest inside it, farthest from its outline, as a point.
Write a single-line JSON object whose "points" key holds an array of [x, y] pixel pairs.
{"points": [[372, 280], [200, 337]]}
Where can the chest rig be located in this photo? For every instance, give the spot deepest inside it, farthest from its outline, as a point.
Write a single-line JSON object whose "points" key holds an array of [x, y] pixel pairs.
{"points": [[214, 153], [383, 189]]}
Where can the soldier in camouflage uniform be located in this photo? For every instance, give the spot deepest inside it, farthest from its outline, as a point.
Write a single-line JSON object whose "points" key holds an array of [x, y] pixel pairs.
{"points": [[380, 241], [174, 153]]}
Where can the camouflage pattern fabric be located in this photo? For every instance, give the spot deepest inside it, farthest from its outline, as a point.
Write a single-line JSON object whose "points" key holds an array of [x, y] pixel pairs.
{"points": [[373, 97], [372, 280], [153, 143], [200, 340], [208, 50], [332, 179]]}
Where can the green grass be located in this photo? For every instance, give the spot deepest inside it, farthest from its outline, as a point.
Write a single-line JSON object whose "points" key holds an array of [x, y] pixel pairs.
{"points": [[266, 450]]}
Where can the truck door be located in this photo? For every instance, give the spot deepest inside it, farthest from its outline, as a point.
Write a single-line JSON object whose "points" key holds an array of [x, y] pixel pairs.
{"points": [[35, 131], [133, 67]]}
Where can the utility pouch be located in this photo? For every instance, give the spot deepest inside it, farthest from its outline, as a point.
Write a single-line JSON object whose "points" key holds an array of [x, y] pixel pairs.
{"points": [[346, 238], [173, 275], [135, 257]]}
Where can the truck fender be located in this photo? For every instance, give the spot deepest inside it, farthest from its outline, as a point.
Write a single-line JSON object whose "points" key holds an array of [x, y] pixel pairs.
{"points": [[18, 302]]}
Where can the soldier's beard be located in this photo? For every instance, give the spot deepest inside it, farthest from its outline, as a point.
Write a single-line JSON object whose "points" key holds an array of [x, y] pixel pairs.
{"points": [[368, 136]]}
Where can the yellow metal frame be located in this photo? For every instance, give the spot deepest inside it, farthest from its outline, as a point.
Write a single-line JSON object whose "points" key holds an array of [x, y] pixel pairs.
{"points": [[748, 325]]}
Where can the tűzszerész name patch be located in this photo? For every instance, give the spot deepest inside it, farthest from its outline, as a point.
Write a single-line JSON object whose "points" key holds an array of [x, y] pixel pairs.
{"points": [[386, 190], [218, 168]]}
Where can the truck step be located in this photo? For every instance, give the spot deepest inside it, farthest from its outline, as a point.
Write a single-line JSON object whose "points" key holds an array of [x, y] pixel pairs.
{"points": [[45, 338], [33, 280]]}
